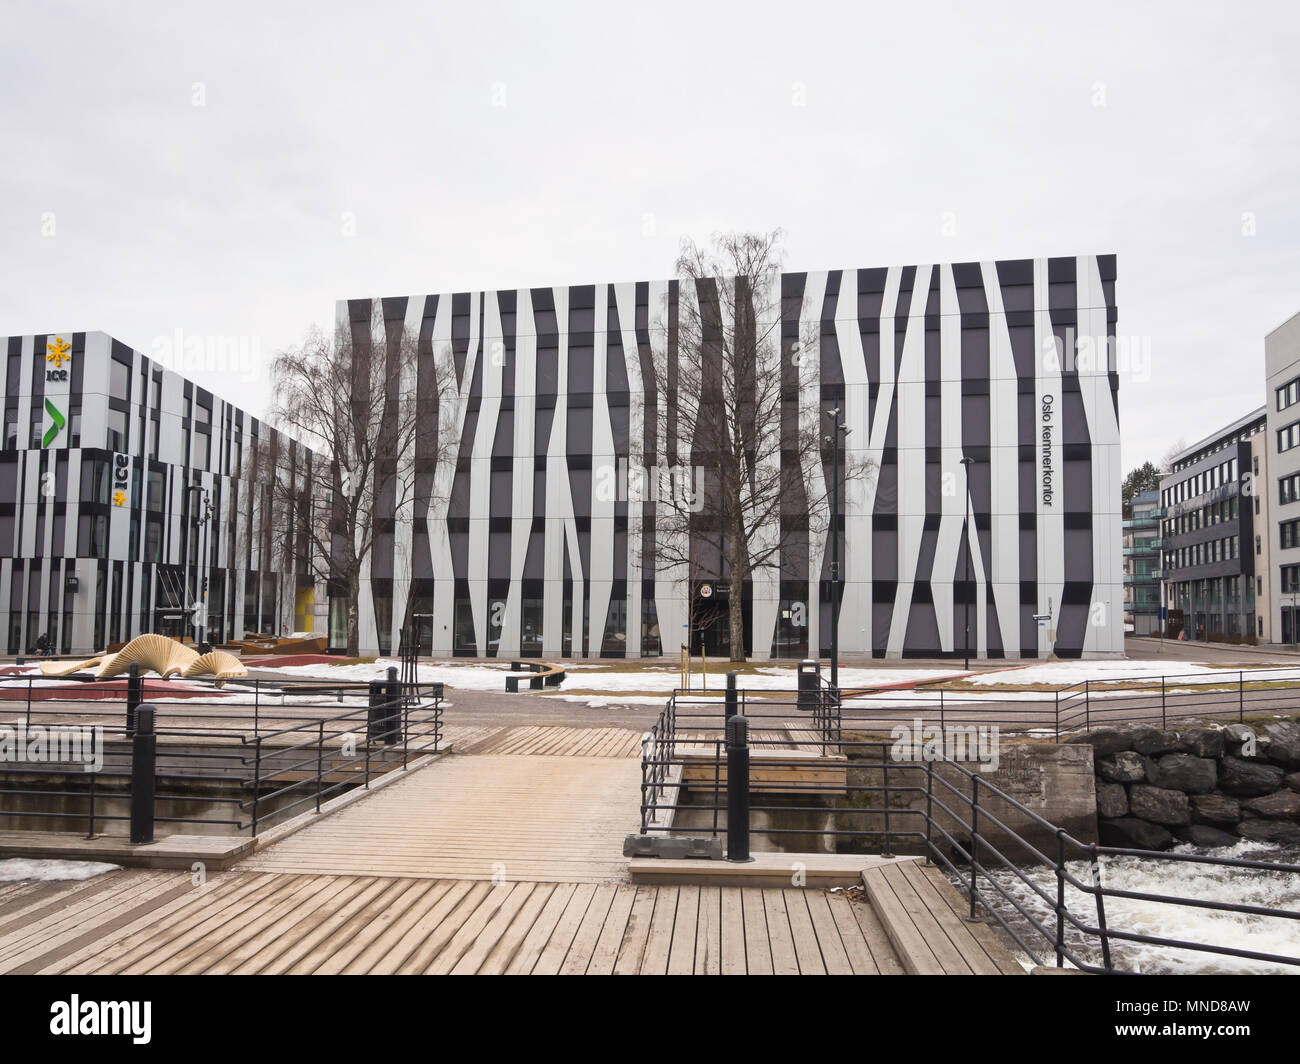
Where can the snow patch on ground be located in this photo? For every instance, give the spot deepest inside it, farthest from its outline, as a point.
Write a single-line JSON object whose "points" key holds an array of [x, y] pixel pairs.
{"points": [[476, 677], [16, 868], [1064, 673], [480, 676]]}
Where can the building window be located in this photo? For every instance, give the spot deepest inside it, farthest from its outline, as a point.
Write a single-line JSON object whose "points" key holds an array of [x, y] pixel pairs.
{"points": [[1288, 437], [1288, 394], [117, 428], [1290, 579], [119, 380]]}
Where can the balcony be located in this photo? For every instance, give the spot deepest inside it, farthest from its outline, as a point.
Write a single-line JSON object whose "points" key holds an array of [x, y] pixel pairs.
{"points": [[1147, 546], [1142, 578], [1143, 521]]}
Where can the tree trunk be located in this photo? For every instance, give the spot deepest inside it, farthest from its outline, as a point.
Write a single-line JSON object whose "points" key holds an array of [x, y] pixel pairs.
{"points": [[736, 604], [737, 619], [354, 614]]}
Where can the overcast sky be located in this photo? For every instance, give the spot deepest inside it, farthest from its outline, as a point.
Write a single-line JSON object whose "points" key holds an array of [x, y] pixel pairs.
{"points": [[229, 170]]}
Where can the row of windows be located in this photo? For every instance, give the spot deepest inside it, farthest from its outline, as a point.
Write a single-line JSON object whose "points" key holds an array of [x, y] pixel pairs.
{"points": [[1207, 480], [1215, 513], [119, 440], [1218, 445], [1215, 550], [1211, 590]]}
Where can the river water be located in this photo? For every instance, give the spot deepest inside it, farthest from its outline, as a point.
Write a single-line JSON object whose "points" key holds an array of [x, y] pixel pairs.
{"points": [[1265, 934]]}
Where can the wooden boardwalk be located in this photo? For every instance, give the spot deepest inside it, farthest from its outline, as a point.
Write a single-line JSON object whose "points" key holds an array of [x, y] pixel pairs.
{"points": [[246, 923], [519, 814], [505, 858]]}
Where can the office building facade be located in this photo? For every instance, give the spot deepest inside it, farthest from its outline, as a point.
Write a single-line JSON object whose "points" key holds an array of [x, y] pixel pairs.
{"points": [[126, 506], [1210, 536], [1282, 366], [531, 538]]}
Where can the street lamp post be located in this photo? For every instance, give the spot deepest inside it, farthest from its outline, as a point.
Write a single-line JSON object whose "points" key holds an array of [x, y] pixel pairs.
{"points": [[965, 535], [199, 522], [836, 433]]}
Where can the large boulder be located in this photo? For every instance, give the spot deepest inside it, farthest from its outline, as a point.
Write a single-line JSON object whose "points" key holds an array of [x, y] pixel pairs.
{"points": [[1160, 805], [1280, 832], [1201, 742], [1235, 736], [1184, 772], [1153, 743], [1123, 767], [1248, 778], [1133, 834], [1112, 799], [1217, 810], [1207, 837], [1281, 805], [1106, 741], [1284, 743]]}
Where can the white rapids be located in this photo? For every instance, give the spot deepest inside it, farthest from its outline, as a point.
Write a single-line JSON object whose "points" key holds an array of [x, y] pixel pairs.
{"points": [[1261, 934]]}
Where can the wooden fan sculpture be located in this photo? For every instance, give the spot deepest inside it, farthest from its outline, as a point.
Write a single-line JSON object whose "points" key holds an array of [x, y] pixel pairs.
{"points": [[164, 656]]}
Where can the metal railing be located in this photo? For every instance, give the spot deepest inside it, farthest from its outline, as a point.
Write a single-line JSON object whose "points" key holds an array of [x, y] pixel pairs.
{"points": [[1046, 888], [229, 760], [693, 721], [1218, 694]]}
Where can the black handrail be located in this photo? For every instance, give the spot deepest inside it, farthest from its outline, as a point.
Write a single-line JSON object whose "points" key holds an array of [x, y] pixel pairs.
{"points": [[279, 756], [979, 810]]}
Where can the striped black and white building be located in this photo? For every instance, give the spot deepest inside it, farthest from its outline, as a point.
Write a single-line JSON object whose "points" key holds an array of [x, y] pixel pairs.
{"points": [[101, 536], [516, 547]]}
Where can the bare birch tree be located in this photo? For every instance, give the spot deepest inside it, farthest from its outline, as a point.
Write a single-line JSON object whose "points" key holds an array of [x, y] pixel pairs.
{"points": [[731, 405], [368, 402]]}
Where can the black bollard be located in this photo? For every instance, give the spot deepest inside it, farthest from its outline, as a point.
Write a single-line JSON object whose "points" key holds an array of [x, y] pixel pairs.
{"points": [[732, 703], [393, 730], [144, 764], [383, 721], [738, 789], [134, 696]]}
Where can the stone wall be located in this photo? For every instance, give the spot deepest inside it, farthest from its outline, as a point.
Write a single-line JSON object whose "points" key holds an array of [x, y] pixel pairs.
{"points": [[1210, 786]]}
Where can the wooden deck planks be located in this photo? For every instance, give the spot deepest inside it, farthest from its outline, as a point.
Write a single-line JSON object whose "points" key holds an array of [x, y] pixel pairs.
{"points": [[537, 818], [553, 741], [919, 915], [248, 922]]}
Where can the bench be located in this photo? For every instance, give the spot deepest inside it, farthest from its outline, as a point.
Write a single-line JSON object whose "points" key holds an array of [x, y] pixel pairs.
{"points": [[542, 675]]}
